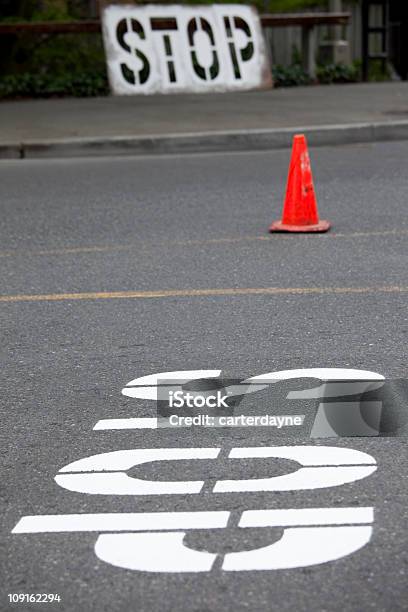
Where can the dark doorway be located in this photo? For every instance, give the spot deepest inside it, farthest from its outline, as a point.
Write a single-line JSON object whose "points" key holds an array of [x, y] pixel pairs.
{"points": [[398, 37], [385, 36], [375, 22]]}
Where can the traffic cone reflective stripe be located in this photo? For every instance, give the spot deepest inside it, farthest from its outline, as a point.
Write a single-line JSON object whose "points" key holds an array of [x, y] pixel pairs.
{"points": [[300, 206]]}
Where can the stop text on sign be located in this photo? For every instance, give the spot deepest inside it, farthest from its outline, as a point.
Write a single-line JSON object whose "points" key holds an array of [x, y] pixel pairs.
{"points": [[166, 49]]}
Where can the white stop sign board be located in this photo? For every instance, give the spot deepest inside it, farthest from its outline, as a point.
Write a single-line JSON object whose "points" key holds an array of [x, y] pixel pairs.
{"points": [[169, 49]]}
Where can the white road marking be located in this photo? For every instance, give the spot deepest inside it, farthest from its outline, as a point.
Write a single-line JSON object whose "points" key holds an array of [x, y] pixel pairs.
{"points": [[152, 552], [325, 467], [131, 423], [102, 474], [301, 547], [145, 387], [303, 479], [334, 374], [119, 483], [310, 535], [306, 516], [122, 521], [321, 466], [306, 455], [302, 544], [126, 459]]}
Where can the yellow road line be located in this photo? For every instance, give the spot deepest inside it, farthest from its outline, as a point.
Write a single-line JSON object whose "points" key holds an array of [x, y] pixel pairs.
{"points": [[226, 240], [112, 295]]}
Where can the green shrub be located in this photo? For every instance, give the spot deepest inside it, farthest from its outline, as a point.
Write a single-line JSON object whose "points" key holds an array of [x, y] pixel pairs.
{"points": [[337, 73], [289, 76], [95, 83], [28, 85], [377, 71], [53, 54]]}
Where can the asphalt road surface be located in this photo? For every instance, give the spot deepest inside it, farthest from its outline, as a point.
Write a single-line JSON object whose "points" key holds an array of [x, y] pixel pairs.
{"points": [[76, 235]]}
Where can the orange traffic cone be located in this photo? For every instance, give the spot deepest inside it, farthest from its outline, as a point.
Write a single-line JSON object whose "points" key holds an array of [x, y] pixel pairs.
{"points": [[300, 207]]}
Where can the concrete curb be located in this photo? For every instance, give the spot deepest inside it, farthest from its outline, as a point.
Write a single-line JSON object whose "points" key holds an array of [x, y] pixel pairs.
{"points": [[202, 142]]}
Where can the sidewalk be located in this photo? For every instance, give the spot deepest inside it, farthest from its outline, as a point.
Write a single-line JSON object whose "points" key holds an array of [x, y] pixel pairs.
{"points": [[260, 119]]}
